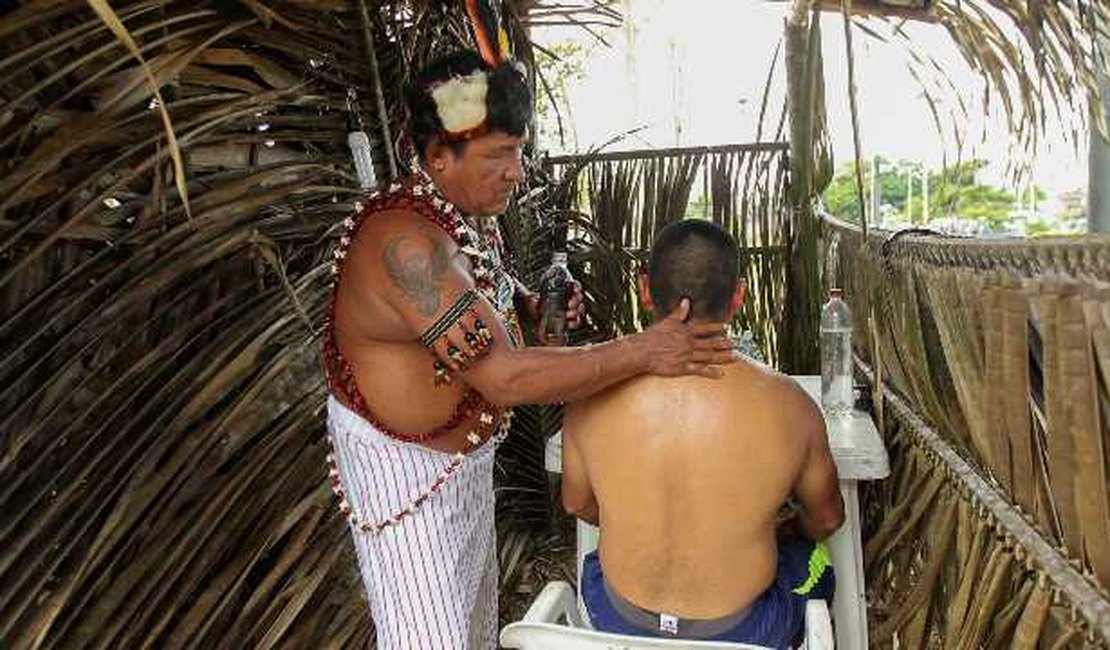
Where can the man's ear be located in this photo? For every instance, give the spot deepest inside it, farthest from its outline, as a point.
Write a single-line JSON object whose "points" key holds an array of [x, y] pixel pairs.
{"points": [[739, 293], [645, 292], [438, 155]]}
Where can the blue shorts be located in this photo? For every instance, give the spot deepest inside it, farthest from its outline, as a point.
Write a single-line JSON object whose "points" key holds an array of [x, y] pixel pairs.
{"points": [[776, 619]]}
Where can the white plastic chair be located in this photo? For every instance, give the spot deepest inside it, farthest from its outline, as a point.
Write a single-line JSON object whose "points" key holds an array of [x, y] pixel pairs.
{"points": [[541, 629]]}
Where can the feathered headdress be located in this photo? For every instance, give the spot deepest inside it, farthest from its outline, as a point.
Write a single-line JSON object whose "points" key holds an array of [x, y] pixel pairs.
{"points": [[489, 31], [461, 100]]}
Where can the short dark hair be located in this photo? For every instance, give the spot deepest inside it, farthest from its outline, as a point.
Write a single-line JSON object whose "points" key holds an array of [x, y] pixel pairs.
{"points": [[696, 259], [508, 98]]}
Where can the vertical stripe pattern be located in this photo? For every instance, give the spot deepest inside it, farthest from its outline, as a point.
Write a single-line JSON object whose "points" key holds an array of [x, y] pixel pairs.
{"points": [[432, 579]]}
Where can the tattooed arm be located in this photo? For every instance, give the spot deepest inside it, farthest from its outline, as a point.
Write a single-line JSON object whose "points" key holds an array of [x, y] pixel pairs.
{"points": [[416, 269], [416, 262]]}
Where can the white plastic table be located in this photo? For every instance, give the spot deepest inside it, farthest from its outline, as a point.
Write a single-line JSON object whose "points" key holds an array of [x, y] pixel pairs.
{"points": [[860, 455]]}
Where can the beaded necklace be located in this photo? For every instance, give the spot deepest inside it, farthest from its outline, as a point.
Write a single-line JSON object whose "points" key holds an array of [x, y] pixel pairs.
{"points": [[418, 194]]}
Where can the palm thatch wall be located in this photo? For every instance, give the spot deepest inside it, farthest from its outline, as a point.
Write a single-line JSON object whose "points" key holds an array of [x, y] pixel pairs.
{"points": [[1001, 515], [161, 436], [1039, 63], [988, 370], [161, 466], [162, 476]]}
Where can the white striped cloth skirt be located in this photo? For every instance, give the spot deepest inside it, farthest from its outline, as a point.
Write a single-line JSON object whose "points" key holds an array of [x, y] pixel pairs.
{"points": [[431, 579]]}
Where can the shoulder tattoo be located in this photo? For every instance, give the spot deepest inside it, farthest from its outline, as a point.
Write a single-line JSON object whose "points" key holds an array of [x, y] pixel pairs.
{"points": [[417, 272]]}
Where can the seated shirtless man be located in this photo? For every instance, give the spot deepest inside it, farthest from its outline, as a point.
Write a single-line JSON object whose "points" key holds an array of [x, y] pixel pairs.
{"points": [[686, 477]]}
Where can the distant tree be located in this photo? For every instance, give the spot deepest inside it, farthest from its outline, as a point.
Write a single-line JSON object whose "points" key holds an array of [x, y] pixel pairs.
{"points": [[953, 192], [1074, 206], [1070, 219], [561, 65], [956, 192], [842, 197]]}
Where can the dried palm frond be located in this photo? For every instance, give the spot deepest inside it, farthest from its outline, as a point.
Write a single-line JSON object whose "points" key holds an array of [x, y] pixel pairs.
{"points": [[1039, 62], [1000, 344], [627, 197], [161, 457], [593, 16]]}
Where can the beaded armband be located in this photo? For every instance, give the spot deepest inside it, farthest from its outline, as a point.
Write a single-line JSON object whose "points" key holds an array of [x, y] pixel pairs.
{"points": [[449, 318], [477, 339]]}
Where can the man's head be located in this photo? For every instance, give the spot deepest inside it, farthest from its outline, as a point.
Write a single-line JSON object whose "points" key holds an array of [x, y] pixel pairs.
{"points": [[468, 122], [698, 260]]}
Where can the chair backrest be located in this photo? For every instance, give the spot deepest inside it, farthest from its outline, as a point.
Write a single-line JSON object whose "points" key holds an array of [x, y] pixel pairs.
{"points": [[526, 635]]}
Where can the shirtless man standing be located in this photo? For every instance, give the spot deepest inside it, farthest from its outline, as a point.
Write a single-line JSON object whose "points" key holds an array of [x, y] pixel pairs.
{"points": [[423, 356], [686, 477]]}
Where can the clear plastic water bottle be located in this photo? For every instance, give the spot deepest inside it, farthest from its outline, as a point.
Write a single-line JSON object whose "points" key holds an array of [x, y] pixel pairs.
{"points": [[837, 396], [555, 289]]}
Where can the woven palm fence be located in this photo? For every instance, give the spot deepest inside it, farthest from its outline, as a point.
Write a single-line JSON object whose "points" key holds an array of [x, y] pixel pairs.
{"points": [[615, 203], [990, 361]]}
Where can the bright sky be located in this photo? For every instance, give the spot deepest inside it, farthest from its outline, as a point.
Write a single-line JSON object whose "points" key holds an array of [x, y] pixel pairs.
{"points": [[694, 73]]}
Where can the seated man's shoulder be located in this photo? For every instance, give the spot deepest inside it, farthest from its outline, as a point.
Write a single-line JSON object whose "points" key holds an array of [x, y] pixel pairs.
{"points": [[759, 377], [775, 388], [600, 401], [616, 403]]}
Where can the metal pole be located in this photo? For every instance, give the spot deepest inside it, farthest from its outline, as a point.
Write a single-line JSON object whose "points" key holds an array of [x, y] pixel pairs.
{"points": [[909, 196], [876, 191], [925, 196]]}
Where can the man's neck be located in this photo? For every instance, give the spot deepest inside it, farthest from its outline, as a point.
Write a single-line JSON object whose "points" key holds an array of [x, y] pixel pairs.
{"points": [[706, 320], [446, 189], [444, 185]]}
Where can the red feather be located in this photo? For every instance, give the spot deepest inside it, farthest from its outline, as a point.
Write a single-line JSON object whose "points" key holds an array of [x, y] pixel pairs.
{"points": [[485, 22]]}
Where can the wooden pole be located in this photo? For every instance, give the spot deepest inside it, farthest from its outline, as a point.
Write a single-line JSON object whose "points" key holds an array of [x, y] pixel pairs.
{"points": [[379, 94], [846, 8], [1098, 186], [805, 106], [876, 190]]}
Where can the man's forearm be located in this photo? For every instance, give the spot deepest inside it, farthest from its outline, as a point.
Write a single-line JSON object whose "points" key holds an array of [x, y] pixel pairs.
{"points": [[809, 529], [548, 375], [589, 513], [817, 528]]}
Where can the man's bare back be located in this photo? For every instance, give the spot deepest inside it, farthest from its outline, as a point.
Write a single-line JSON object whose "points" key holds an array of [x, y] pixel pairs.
{"points": [[689, 476]]}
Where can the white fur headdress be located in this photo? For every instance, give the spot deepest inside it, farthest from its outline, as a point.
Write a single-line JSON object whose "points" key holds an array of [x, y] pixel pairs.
{"points": [[461, 104]]}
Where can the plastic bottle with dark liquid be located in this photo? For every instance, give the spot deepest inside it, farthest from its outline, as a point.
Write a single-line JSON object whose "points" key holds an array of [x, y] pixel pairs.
{"points": [[555, 288]]}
